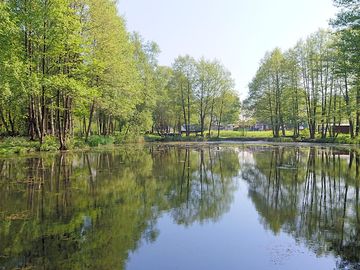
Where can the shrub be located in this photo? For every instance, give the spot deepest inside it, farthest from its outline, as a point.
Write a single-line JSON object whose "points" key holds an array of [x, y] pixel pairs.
{"points": [[133, 137], [50, 143], [79, 143], [97, 140], [305, 133], [152, 138], [17, 145]]}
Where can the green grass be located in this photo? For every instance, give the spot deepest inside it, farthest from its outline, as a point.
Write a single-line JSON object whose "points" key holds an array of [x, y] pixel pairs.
{"points": [[17, 145], [158, 138], [248, 134], [254, 135], [340, 139], [224, 134], [96, 140], [229, 134], [22, 145]]}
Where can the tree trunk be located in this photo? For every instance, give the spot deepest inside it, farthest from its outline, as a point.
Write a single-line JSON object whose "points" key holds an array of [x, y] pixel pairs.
{"points": [[183, 109], [90, 120], [188, 112], [357, 129], [4, 122], [59, 125], [211, 116], [220, 117], [12, 124]]}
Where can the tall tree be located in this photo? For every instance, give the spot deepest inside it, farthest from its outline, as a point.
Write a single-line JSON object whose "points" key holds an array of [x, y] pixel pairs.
{"points": [[184, 81], [347, 24]]}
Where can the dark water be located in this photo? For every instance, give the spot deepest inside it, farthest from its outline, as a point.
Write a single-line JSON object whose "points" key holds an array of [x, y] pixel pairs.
{"points": [[182, 207]]}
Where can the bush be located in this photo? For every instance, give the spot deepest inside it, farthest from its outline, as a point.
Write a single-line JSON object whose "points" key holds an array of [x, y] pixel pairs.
{"points": [[133, 137], [15, 142], [284, 139], [17, 145], [97, 140], [357, 140], [344, 138], [153, 138], [79, 143], [50, 143], [305, 133]]}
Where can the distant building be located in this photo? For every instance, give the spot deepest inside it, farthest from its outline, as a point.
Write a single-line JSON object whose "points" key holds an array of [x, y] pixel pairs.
{"points": [[260, 127], [345, 129], [229, 127], [223, 127], [192, 129], [342, 128]]}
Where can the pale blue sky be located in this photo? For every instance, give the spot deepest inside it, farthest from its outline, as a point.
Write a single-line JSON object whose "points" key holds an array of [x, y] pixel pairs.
{"points": [[236, 32]]}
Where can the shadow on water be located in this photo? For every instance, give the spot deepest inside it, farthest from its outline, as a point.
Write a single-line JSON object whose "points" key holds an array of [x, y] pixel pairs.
{"points": [[90, 210]]}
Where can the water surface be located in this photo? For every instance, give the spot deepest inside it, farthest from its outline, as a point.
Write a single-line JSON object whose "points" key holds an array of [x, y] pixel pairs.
{"points": [[182, 206]]}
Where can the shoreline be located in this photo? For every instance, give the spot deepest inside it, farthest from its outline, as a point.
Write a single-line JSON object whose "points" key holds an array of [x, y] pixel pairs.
{"points": [[288, 139], [29, 148]]}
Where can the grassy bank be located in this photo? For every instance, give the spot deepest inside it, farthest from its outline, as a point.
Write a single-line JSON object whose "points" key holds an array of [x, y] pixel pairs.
{"points": [[226, 135], [20, 145]]}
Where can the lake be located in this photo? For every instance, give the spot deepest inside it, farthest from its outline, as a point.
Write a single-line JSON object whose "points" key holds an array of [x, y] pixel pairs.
{"points": [[182, 206]]}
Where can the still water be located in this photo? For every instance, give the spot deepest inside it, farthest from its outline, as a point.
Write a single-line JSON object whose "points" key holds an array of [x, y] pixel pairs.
{"points": [[182, 206]]}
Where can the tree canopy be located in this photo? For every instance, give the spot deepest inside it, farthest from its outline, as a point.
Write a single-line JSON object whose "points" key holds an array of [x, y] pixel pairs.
{"points": [[315, 84]]}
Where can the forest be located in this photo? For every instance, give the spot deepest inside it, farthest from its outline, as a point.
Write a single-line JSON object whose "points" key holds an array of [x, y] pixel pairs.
{"points": [[71, 69], [314, 85]]}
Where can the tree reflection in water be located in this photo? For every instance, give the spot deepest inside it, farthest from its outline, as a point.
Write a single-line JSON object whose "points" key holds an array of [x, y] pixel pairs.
{"points": [[312, 194], [89, 210]]}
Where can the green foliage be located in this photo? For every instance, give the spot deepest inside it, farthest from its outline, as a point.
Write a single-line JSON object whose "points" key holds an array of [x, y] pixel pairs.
{"points": [[79, 143], [17, 145], [153, 138], [305, 133], [73, 68], [316, 83], [248, 134], [50, 144], [129, 137], [97, 140]]}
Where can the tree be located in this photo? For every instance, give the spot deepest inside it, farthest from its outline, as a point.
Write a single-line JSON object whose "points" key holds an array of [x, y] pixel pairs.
{"points": [[184, 83], [11, 72], [112, 72], [267, 91], [228, 109], [347, 24], [165, 111], [145, 55], [71, 68]]}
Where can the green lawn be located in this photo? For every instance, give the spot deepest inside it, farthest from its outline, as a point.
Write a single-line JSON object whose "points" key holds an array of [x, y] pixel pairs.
{"points": [[224, 134], [247, 134]]}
